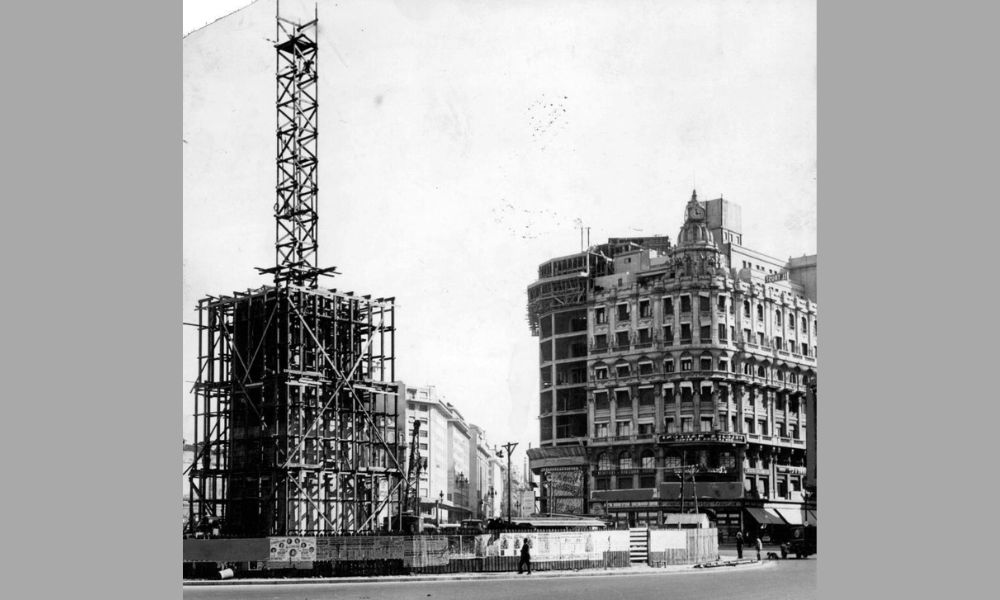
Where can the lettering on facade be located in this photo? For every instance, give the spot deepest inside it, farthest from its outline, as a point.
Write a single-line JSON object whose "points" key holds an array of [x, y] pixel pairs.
{"points": [[782, 276], [719, 437]]}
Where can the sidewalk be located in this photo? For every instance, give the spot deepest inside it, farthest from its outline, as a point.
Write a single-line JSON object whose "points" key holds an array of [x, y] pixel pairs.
{"points": [[621, 571]]}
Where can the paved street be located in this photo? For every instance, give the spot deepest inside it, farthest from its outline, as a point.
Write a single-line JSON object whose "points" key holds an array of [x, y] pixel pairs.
{"points": [[776, 580]]}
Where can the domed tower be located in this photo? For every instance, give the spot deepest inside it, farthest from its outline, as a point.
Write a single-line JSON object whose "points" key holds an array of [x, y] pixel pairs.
{"points": [[696, 252]]}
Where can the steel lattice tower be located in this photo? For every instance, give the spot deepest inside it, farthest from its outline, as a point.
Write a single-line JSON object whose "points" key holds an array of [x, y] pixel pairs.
{"points": [[298, 421]]}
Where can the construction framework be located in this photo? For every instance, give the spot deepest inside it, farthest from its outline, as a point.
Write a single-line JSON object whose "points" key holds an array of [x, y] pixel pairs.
{"points": [[299, 424]]}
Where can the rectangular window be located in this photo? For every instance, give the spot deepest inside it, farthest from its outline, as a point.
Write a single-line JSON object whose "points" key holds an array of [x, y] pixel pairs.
{"points": [[780, 429], [644, 308], [687, 394], [645, 368], [644, 336], [722, 333], [668, 308], [625, 482], [747, 337], [723, 364], [748, 426], [621, 339], [760, 338], [668, 395], [805, 349], [778, 343], [687, 425], [668, 366], [706, 424], [669, 425], [668, 336], [601, 401], [623, 428], [704, 304], [705, 334], [622, 370], [602, 483], [645, 429], [685, 333], [722, 303], [623, 312], [706, 394], [600, 373], [622, 400], [646, 397], [600, 430], [646, 482], [685, 304], [762, 424], [600, 341], [600, 315], [705, 364], [685, 364]]}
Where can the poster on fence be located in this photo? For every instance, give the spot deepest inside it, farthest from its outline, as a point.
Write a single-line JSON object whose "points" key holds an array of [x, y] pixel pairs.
{"points": [[292, 549], [553, 545], [360, 548]]}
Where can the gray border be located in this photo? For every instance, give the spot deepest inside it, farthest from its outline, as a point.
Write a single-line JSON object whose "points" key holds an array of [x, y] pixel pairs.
{"points": [[92, 214], [93, 235], [902, 92]]}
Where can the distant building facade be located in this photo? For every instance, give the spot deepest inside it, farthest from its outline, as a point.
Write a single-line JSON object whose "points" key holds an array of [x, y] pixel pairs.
{"points": [[463, 475], [660, 359]]}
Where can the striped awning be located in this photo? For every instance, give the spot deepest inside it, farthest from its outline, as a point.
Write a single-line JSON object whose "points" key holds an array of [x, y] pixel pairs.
{"points": [[792, 515], [764, 517]]}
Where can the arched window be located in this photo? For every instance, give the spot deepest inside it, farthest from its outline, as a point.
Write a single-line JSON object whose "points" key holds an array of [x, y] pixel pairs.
{"points": [[805, 327], [760, 312], [604, 462], [648, 460], [625, 460], [746, 308], [760, 372]]}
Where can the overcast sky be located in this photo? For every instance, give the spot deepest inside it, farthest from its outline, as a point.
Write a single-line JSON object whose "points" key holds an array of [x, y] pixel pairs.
{"points": [[462, 141]]}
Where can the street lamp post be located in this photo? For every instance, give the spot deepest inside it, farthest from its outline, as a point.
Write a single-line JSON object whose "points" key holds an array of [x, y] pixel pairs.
{"points": [[509, 447], [440, 499]]}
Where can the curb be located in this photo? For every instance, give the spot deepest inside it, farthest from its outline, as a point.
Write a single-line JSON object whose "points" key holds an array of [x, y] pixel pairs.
{"points": [[501, 576]]}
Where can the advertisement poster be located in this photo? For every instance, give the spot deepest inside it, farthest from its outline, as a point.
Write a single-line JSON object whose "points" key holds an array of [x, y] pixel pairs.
{"points": [[292, 549]]}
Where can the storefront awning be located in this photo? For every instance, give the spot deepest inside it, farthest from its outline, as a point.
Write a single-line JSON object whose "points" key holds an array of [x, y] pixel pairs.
{"points": [[764, 517], [792, 515]]}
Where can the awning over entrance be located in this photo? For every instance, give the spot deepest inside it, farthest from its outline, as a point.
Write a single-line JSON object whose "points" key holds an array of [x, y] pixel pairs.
{"points": [[792, 515], [764, 517]]}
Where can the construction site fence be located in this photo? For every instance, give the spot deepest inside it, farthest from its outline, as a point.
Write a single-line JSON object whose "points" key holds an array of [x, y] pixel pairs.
{"points": [[682, 546], [334, 556]]}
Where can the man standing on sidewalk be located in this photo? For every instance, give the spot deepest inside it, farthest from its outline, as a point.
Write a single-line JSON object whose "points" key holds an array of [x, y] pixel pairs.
{"points": [[759, 546], [525, 558], [739, 544]]}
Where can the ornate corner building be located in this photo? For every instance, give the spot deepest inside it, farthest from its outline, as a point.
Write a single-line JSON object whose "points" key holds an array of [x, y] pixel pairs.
{"points": [[674, 377]]}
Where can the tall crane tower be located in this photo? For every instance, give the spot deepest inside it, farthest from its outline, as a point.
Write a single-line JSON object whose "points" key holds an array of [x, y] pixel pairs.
{"points": [[298, 418]]}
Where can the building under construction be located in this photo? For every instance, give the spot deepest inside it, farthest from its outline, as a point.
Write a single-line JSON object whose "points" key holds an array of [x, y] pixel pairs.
{"points": [[298, 419]]}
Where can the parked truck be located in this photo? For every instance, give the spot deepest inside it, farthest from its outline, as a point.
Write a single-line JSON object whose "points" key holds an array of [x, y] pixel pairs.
{"points": [[802, 542]]}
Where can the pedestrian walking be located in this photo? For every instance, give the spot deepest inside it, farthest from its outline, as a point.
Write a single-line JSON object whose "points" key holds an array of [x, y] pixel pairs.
{"points": [[525, 558], [739, 544], [759, 547]]}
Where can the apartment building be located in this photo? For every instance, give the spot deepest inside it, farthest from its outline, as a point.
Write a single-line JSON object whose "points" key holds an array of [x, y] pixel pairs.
{"points": [[660, 360]]}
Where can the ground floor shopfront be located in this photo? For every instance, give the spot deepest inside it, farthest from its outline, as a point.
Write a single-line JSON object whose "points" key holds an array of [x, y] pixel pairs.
{"points": [[773, 520]]}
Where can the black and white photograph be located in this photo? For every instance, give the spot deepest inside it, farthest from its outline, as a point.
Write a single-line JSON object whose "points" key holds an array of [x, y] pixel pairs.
{"points": [[499, 299]]}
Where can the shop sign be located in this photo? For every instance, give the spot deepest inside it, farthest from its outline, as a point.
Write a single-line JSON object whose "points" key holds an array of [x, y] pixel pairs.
{"points": [[695, 438]]}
